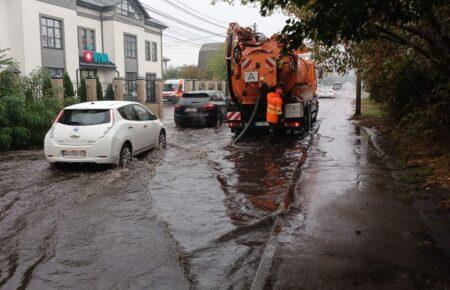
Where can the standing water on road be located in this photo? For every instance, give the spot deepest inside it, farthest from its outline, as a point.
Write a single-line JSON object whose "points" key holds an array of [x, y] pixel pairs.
{"points": [[192, 216]]}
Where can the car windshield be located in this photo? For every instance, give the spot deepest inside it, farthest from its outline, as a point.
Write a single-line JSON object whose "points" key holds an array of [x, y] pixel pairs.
{"points": [[170, 87], [85, 117], [195, 95]]}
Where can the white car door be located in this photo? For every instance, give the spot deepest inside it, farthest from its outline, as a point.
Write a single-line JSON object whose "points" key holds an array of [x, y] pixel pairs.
{"points": [[132, 126], [146, 125]]}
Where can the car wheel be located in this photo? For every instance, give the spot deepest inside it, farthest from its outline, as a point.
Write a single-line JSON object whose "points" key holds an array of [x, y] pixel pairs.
{"points": [[125, 155], [162, 142]]}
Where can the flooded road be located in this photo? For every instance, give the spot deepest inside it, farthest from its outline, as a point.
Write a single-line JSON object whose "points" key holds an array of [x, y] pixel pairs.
{"points": [[198, 215]]}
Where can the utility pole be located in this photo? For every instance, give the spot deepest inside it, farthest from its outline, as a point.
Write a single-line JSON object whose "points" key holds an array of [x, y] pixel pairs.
{"points": [[358, 94]]}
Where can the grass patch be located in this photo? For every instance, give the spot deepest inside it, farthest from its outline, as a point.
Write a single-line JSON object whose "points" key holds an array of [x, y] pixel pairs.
{"points": [[426, 163]]}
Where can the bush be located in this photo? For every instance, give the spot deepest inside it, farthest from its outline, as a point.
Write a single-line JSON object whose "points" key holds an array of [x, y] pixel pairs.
{"points": [[416, 97], [68, 86], [109, 95], [27, 106], [99, 89], [82, 93]]}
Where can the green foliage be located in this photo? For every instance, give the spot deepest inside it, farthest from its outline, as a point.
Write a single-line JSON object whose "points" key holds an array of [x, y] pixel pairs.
{"points": [[46, 82], [82, 92], [68, 86], [109, 95], [99, 89], [27, 106], [216, 64], [192, 72], [24, 123], [37, 84], [172, 73]]}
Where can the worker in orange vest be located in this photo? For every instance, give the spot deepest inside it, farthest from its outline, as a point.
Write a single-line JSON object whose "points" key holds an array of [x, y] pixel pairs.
{"points": [[274, 111]]}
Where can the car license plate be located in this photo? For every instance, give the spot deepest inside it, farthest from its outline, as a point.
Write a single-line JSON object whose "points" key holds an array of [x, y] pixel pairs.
{"points": [[73, 153], [191, 110], [261, 124]]}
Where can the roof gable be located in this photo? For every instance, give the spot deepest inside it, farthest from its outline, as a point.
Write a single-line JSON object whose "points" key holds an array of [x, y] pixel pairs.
{"points": [[109, 4]]}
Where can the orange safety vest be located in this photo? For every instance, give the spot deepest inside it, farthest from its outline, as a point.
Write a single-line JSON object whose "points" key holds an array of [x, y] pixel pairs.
{"points": [[274, 107]]}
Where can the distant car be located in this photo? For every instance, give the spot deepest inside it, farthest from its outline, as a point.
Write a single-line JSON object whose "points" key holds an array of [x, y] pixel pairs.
{"points": [[337, 86], [326, 93], [169, 97], [200, 108], [108, 132]]}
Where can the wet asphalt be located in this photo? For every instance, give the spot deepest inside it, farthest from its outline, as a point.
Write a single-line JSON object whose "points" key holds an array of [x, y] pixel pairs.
{"points": [[317, 213]]}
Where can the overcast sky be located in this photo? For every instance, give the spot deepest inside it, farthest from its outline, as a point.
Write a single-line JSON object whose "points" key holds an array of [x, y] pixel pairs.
{"points": [[181, 43]]}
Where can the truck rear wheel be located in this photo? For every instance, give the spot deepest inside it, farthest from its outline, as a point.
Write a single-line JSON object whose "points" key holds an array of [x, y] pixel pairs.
{"points": [[308, 120]]}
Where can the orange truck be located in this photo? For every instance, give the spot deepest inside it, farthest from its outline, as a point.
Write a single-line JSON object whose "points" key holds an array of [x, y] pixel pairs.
{"points": [[255, 65]]}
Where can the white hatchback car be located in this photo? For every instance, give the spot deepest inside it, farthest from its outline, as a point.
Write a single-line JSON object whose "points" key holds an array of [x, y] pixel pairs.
{"points": [[108, 132]]}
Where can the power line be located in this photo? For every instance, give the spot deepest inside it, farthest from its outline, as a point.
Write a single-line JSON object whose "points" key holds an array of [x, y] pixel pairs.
{"points": [[184, 40], [193, 14], [153, 10], [181, 34], [200, 13]]}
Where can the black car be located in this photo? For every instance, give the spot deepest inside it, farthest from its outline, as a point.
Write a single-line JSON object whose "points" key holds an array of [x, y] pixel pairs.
{"points": [[201, 108]]}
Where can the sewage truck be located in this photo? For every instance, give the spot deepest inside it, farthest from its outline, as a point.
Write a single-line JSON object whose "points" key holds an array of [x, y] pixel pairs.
{"points": [[255, 65]]}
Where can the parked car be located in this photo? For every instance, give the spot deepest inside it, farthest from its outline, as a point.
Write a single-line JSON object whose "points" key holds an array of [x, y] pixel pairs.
{"points": [[108, 132], [337, 86], [326, 93], [201, 108]]}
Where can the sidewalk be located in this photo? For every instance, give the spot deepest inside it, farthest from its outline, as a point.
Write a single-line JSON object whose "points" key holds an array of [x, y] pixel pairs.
{"points": [[351, 229]]}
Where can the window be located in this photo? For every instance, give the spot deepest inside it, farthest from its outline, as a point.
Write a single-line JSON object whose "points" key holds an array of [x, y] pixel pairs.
{"points": [[130, 46], [147, 51], [150, 88], [154, 51], [51, 30], [85, 117], [128, 113], [55, 71], [86, 39], [142, 113], [125, 8], [131, 85]]}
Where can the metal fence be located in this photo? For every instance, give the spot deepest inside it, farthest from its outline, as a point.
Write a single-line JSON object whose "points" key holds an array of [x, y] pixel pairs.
{"points": [[150, 88], [130, 90]]}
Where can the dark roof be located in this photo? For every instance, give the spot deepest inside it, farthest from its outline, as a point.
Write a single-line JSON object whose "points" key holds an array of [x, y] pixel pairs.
{"points": [[108, 4], [155, 22]]}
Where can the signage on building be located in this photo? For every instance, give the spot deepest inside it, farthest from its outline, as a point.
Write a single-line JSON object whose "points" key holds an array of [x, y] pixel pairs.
{"points": [[90, 56]]}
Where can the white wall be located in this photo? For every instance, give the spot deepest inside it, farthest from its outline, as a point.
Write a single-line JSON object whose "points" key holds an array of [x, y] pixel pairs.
{"points": [[11, 29], [32, 37], [142, 36], [20, 31]]}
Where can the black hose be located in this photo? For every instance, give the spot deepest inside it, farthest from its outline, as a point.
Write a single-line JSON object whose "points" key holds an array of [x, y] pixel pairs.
{"points": [[252, 117], [230, 67]]}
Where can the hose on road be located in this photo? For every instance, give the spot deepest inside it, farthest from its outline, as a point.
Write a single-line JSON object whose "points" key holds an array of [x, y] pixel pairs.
{"points": [[249, 123]]}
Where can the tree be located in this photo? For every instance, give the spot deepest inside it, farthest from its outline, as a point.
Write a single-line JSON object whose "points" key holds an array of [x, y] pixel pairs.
{"points": [[68, 86], [421, 25], [82, 93], [109, 94], [192, 72], [216, 65], [172, 73], [99, 89], [46, 83]]}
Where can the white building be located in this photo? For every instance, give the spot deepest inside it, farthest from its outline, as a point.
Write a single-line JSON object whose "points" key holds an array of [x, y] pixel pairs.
{"points": [[104, 38]]}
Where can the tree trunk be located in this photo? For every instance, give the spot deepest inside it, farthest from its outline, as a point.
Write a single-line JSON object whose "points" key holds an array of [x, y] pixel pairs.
{"points": [[358, 95]]}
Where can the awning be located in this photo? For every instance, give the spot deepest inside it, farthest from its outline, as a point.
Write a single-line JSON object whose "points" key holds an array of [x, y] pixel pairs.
{"points": [[92, 65]]}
